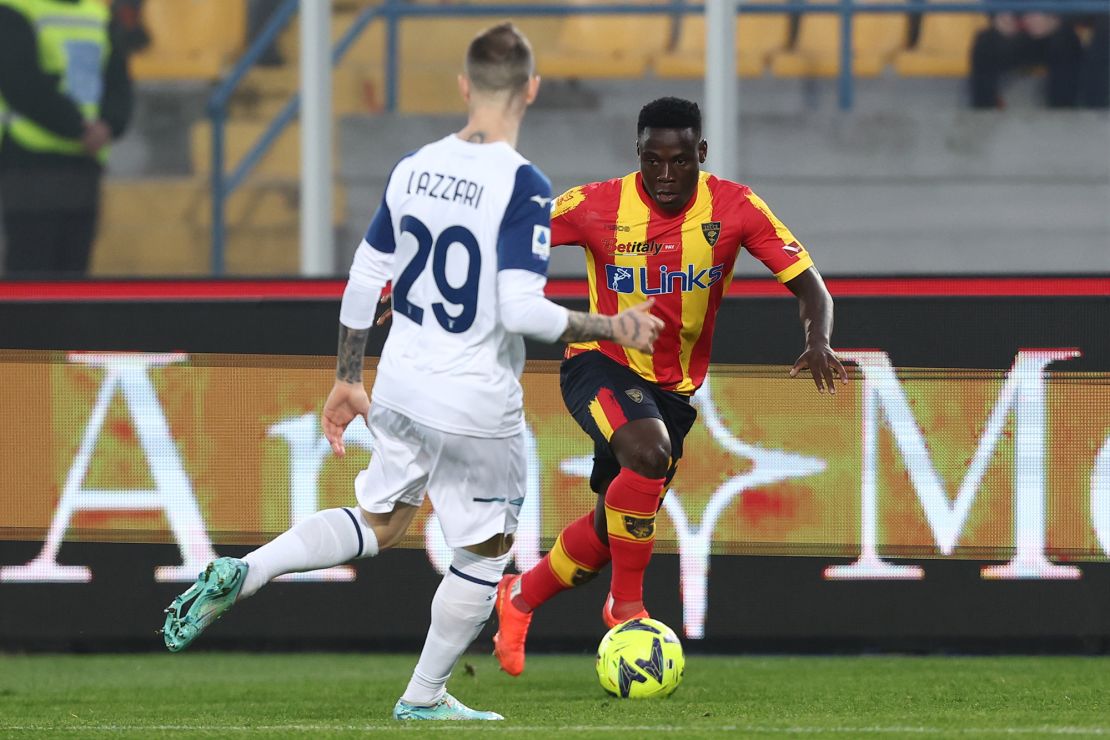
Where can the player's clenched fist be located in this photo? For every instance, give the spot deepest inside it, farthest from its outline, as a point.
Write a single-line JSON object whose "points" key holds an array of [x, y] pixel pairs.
{"points": [[345, 402], [636, 327]]}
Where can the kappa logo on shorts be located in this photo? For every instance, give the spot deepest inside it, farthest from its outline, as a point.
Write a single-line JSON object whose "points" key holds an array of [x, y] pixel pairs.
{"points": [[639, 527], [635, 394]]}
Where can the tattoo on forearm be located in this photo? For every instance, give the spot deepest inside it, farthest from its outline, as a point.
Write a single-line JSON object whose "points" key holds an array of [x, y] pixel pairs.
{"points": [[627, 324], [586, 327], [352, 347]]}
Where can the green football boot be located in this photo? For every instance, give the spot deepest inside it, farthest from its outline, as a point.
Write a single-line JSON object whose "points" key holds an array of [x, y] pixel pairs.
{"points": [[213, 594], [447, 708]]}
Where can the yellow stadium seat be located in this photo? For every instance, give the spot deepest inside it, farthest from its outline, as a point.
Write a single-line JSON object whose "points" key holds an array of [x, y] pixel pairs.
{"points": [[159, 249], [943, 47], [432, 52], [607, 46], [266, 90], [369, 48], [282, 160], [190, 39], [757, 36], [430, 58], [876, 38], [163, 227], [149, 250]]}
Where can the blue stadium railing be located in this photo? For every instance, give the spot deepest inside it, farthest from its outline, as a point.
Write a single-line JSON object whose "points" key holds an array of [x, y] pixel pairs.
{"points": [[392, 12]]}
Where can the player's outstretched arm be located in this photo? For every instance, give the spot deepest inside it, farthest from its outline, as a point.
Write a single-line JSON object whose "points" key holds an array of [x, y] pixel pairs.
{"points": [[634, 327], [348, 397], [815, 308]]}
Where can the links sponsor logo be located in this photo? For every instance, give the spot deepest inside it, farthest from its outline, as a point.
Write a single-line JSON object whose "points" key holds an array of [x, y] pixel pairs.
{"points": [[649, 248], [661, 280]]}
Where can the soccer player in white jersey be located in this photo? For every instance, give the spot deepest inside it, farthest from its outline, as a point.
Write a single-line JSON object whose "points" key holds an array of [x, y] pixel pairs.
{"points": [[463, 232]]}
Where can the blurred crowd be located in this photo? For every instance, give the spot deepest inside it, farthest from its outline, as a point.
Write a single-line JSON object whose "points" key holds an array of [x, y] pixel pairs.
{"points": [[66, 94], [1073, 51]]}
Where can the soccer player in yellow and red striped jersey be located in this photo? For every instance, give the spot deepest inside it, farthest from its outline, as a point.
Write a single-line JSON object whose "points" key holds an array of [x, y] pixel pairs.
{"points": [[670, 233]]}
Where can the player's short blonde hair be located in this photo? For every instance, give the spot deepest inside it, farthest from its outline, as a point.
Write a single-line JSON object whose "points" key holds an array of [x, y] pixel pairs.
{"points": [[499, 59]]}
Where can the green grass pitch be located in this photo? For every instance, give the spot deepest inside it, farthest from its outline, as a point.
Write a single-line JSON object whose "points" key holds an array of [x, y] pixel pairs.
{"points": [[350, 695]]}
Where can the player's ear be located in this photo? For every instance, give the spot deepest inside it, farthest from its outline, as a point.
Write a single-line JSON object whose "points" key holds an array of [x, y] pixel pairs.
{"points": [[703, 150], [532, 90], [464, 88]]}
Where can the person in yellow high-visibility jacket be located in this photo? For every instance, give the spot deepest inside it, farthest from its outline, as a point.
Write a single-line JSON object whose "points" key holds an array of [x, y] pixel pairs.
{"points": [[65, 93]]}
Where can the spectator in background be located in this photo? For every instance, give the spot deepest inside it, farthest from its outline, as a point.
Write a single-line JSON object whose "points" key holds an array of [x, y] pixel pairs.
{"points": [[1033, 39], [65, 93], [128, 17], [1024, 40], [1095, 92]]}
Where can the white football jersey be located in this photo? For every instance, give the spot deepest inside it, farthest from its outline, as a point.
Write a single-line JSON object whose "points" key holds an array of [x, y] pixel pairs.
{"points": [[454, 214]]}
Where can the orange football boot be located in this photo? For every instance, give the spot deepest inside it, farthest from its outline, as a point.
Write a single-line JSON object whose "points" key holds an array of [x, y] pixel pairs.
{"points": [[611, 621], [512, 628]]}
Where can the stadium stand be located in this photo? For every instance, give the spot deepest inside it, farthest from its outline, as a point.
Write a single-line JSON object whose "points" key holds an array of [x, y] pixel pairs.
{"points": [[282, 161], [816, 53], [160, 226], [190, 39], [626, 58], [757, 37], [943, 47]]}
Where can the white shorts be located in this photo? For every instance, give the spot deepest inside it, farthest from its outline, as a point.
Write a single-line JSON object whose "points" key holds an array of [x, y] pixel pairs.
{"points": [[476, 484]]}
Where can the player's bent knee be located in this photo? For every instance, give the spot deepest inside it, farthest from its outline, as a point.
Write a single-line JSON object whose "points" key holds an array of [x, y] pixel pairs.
{"points": [[390, 527], [649, 460], [643, 447]]}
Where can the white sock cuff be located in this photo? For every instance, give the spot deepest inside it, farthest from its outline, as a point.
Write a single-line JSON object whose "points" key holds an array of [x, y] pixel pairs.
{"points": [[367, 540], [478, 569]]}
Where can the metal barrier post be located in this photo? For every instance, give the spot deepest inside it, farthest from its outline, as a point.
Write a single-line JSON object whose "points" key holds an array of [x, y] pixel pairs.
{"points": [[720, 86], [217, 113], [392, 49], [317, 242], [846, 77], [219, 227]]}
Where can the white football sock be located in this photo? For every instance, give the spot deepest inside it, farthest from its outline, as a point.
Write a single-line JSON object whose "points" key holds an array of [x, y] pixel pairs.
{"points": [[461, 606], [326, 538]]}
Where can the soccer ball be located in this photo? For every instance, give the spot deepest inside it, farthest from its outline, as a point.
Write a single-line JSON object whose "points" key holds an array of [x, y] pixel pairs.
{"points": [[640, 659]]}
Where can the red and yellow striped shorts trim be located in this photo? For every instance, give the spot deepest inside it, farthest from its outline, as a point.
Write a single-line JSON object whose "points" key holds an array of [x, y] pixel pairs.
{"points": [[607, 413]]}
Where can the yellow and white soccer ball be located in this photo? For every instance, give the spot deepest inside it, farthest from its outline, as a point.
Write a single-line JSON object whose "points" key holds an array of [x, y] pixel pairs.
{"points": [[640, 659]]}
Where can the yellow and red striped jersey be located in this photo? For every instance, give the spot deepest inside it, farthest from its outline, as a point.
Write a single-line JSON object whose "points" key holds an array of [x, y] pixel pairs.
{"points": [[635, 251]]}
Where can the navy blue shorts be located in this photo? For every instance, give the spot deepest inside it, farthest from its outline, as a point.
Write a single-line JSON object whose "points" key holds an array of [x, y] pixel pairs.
{"points": [[602, 395]]}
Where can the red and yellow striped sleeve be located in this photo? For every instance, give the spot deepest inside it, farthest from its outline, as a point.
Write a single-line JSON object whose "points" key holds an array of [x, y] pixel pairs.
{"points": [[578, 217], [770, 241], [564, 222]]}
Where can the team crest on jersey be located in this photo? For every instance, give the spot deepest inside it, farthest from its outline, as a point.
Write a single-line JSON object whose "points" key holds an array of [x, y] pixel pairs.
{"points": [[635, 394], [712, 231]]}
